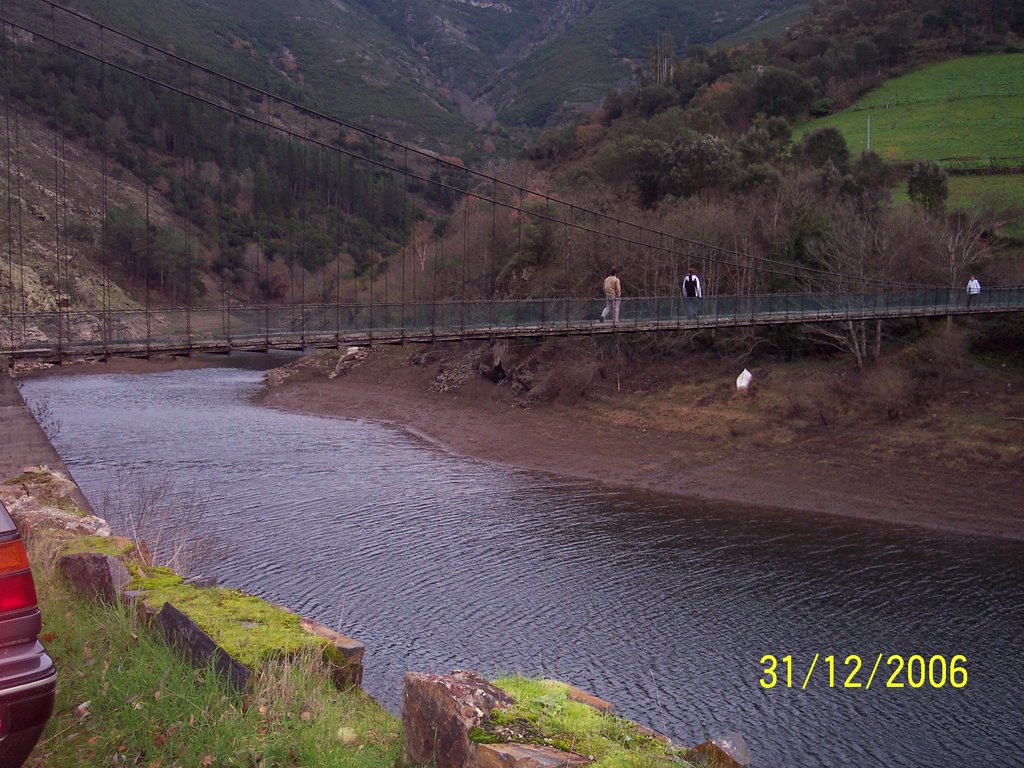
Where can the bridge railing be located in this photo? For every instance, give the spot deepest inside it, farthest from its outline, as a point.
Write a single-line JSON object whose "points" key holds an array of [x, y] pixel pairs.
{"points": [[259, 327]]}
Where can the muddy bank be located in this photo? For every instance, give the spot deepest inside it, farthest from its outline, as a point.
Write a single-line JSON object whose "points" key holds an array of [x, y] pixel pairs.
{"points": [[949, 470], [715, 451]]}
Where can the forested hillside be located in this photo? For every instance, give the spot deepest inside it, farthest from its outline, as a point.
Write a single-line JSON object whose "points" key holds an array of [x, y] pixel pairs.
{"points": [[440, 73]]}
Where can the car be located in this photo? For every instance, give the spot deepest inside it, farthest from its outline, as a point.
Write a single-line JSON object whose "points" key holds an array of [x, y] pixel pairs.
{"points": [[28, 677]]}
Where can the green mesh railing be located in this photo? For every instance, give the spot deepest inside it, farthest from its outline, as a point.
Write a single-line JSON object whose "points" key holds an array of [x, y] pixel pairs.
{"points": [[83, 333]]}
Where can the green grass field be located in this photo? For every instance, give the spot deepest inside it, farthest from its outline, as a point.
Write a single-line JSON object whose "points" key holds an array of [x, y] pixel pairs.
{"points": [[967, 192], [970, 191], [966, 113]]}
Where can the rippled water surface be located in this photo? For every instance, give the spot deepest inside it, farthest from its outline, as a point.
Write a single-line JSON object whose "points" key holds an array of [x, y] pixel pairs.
{"points": [[663, 605]]}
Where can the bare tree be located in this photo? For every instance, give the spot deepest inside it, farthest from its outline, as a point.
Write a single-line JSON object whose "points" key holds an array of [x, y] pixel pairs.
{"points": [[853, 257], [961, 245]]}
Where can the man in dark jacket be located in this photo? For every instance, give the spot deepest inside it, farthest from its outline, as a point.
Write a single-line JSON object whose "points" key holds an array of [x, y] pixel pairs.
{"points": [[692, 293]]}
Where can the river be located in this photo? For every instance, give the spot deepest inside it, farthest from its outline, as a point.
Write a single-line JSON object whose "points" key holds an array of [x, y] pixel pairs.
{"points": [[663, 605]]}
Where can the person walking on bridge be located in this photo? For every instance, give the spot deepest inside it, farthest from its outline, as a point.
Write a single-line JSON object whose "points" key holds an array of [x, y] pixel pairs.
{"points": [[612, 296], [973, 290], [692, 293]]}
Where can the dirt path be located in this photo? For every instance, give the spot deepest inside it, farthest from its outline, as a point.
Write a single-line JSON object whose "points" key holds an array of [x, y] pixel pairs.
{"points": [[817, 475]]}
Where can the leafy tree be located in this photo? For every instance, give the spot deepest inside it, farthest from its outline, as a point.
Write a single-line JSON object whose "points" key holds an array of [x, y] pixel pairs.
{"points": [[540, 234], [766, 141], [649, 160], [822, 146], [699, 161], [928, 185], [782, 92], [897, 38], [870, 181], [614, 105], [653, 99]]}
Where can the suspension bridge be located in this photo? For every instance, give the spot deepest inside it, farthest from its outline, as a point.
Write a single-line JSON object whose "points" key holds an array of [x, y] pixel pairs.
{"points": [[241, 220], [53, 337]]}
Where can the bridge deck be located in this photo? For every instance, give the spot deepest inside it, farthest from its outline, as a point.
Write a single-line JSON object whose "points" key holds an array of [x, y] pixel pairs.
{"points": [[54, 336]]}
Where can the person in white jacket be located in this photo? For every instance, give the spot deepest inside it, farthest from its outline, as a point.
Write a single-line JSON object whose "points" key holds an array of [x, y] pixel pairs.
{"points": [[973, 289]]}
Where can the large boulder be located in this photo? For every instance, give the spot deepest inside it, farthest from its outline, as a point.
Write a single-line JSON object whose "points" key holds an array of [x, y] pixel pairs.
{"points": [[439, 711], [98, 576]]}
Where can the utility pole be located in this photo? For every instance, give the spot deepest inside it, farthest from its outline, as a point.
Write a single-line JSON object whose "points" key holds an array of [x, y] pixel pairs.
{"points": [[869, 132]]}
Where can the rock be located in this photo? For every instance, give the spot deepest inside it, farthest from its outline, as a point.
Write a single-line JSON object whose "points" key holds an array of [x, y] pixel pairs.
{"points": [[347, 736], [491, 363], [199, 648], [438, 712], [351, 359], [202, 582], [654, 734], [276, 376], [28, 513], [708, 754], [95, 575], [601, 705], [43, 498], [345, 657], [524, 756], [735, 746], [136, 599], [453, 376]]}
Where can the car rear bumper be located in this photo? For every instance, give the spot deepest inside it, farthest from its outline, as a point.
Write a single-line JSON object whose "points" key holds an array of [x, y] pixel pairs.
{"points": [[26, 700]]}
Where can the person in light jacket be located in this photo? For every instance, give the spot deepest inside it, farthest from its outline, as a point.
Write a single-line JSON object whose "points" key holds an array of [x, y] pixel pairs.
{"points": [[973, 289], [612, 287]]}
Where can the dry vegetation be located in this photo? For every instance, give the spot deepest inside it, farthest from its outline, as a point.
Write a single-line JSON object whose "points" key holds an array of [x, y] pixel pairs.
{"points": [[932, 398]]}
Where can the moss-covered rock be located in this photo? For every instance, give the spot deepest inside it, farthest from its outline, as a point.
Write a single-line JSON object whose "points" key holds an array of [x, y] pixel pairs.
{"points": [[252, 630], [115, 546], [48, 489], [546, 713]]}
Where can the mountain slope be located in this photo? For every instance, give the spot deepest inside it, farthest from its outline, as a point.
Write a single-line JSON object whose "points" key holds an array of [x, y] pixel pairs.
{"points": [[429, 71], [601, 50], [332, 55]]}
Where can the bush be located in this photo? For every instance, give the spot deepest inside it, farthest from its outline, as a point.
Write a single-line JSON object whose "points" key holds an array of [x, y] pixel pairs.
{"points": [[887, 388], [822, 107]]}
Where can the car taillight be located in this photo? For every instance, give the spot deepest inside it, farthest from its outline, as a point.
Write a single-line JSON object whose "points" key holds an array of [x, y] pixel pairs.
{"points": [[17, 589]]}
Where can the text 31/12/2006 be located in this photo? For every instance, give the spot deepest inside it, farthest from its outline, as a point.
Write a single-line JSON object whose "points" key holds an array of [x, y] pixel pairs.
{"points": [[915, 671]]}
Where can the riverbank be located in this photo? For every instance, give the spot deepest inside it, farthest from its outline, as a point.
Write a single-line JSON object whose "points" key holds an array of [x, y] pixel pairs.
{"points": [[176, 716], [948, 468], [798, 441]]}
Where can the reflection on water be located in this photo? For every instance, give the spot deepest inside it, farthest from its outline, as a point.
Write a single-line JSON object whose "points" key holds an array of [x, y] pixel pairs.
{"points": [[665, 606]]}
